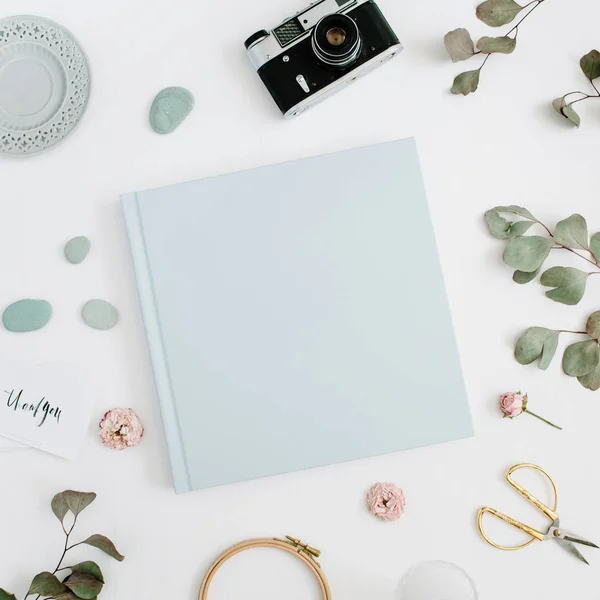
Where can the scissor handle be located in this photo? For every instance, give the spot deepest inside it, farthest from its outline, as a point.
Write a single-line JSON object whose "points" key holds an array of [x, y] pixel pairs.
{"points": [[534, 533], [550, 513]]}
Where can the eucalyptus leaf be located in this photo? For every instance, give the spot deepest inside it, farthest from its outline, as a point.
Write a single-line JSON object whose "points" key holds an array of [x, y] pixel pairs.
{"points": [[581, 358], [46, 584], [59, 506], [459, 44], [569, 284], [83, 585], [503, 229], [497, 45], [6, 596], [465, 83], [572, 232], [591, 381], [532, 344], [77, 501], [593, 325], [516, 210], [89, 567], [103, 543], [569, 113], [496, 13], [527, 253], [590, 64], [521, 277], [595, 245], [558, 104]]}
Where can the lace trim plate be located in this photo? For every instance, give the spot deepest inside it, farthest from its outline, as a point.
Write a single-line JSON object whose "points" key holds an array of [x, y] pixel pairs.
{"points": [[58, 67]]}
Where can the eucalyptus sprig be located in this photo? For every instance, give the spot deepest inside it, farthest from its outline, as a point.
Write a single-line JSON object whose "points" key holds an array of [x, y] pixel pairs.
{"points": [[590, 65], [460, 46], [526, 254], [84, 580]]}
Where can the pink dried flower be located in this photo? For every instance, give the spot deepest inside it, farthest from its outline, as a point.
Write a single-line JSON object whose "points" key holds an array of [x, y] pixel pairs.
{"points": [[121, 428], [513, 404], [386, 501]]}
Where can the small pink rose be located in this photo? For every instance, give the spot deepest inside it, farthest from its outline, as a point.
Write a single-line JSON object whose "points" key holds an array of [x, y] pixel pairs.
{"points": [[513, 404], [121, 428], [386, 501]]}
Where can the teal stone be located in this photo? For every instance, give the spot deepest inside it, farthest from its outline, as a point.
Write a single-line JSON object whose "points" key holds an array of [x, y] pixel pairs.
{"points": [[77, 249], [170, 107], [26, 315], [100, 314]]}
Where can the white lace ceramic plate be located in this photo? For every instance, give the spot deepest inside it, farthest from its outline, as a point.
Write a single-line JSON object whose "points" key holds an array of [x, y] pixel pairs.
{"points": [[44, 84]]}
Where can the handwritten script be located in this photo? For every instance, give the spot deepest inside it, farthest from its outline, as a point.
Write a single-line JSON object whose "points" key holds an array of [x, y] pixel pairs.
{"points": [[40, 410]]}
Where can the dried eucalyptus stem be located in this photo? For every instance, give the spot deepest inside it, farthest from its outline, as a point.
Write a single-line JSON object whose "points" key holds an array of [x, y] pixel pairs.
{"points": [[590, 65], [85, 580], [526, 254], [460, 46]]}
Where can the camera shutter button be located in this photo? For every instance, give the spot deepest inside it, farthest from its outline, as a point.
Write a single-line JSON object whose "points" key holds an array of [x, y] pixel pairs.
{"points": [[302, 83]]}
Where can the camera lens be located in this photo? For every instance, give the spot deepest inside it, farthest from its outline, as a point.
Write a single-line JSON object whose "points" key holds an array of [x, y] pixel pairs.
{"points": [[336, 40], [336, 36]]}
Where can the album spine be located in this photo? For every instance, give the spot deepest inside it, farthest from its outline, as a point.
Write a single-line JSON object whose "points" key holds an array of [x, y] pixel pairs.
{"points": [[135, 231]]}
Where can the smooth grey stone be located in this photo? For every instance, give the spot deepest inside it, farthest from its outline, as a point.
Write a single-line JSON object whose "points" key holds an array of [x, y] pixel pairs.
{"points": [[26, 315], [77, 249], [170, 107], [99, 314]]}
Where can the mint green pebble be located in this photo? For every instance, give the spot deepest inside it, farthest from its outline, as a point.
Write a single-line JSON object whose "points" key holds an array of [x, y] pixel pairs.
{"points": [[99, 314], [26, 315], [77, 249], [170, 107]]}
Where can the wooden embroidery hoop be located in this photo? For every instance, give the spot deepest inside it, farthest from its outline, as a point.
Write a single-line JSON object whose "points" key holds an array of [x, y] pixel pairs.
{"points": [[303, 551]]}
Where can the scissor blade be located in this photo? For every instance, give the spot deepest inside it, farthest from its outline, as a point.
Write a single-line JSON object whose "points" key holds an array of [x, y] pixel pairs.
{"points": [[571, 538], [568, 546]]}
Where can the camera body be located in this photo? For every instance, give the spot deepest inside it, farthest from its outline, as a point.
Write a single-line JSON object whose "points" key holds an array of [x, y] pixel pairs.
{"points": [[320, 50]]}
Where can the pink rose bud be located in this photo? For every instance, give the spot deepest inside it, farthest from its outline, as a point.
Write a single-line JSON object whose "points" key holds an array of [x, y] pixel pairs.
{"points": [[121, 428], [513, 404]]}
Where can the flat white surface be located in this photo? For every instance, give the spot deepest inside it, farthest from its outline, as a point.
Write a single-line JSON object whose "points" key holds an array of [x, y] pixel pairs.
{"points": [[502, 145]]}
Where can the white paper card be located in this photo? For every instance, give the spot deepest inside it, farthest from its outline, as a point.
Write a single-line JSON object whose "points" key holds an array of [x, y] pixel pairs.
{"points": [[47, 407]]}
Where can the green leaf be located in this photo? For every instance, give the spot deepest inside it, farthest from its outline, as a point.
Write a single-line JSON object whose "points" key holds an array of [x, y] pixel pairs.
{"points": [[83, 585], [46, 584], [569, 284], [593, 325], [103, 543], [558, 104], [6, 596], [590, 64], [536, 342], [459, 44], [496, 13], [595, 245], [572, 232], [77, 501], [68, 595], [527, 253], [581, 358], [521, 277], [497, 45], [516, 210], [569, 113], [591, 381], [59, 506], [502, 229], [465, 83], [89, 567]]}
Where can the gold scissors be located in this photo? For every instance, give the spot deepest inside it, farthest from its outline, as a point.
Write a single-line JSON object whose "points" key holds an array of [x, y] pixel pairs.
{"points": [[564, 538]]}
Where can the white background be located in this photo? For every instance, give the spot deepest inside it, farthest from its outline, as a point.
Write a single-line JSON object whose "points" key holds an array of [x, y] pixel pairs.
{"points": [[502, 145]]}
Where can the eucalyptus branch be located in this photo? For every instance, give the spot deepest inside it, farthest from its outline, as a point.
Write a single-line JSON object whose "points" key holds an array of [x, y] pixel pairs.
{"points": [[526, 254], [459, 43], [590, 65], [85, 580]]}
